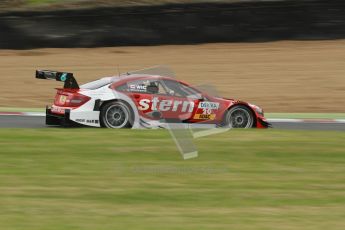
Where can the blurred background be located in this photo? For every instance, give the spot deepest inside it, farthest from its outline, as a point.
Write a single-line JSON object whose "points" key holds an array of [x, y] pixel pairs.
{"points": [[286, 56]]}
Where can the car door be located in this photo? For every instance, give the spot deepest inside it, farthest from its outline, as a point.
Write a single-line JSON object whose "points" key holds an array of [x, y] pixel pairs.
{"points": [[182, 103], [206, 109], [137, 90]]}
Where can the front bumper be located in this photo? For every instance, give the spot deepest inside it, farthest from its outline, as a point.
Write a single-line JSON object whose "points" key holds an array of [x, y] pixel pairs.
{"points": [[57, 119], [263, 123]]}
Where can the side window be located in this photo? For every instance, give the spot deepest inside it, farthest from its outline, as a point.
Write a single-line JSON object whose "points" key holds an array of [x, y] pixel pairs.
{"points": [[161, 88], [122, 88], [189, 91], [178, 89]]}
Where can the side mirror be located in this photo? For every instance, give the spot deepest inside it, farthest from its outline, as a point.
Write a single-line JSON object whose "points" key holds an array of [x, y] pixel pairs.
{"points": [[198, 96]]}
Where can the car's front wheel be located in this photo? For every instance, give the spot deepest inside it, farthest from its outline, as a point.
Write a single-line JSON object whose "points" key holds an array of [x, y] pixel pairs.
{"points": [[116, 115], [239, 116]]}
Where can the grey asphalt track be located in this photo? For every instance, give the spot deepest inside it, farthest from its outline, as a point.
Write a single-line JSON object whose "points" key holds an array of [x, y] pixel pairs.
{"points": [[10, 121]]}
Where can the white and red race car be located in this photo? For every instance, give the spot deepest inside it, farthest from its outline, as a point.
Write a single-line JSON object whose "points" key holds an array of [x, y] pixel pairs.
{"points": [[147, 98]]}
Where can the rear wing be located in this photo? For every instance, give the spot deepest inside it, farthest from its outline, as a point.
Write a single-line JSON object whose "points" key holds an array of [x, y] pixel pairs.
{"points": [[68, 78]]}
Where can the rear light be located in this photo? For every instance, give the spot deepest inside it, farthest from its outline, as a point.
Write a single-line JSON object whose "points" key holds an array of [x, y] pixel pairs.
{"points": [[66, 98], [77, 100]]}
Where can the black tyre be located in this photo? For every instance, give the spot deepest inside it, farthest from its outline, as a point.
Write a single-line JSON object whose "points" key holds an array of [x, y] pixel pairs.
{"points": [[116, 115], [239, 116]]}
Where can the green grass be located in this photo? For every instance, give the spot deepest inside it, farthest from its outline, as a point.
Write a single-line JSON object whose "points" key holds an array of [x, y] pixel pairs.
{"points": [[135, 179]]}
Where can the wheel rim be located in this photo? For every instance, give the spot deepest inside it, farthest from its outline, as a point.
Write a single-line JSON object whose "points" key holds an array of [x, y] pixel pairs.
{"points": [[116, 116], [240, 118]]}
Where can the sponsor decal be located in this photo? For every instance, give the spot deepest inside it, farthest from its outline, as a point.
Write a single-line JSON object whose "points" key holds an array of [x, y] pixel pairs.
{"points": [[87, 121], [208, 105], [166, 105], [205, 110], [63, 99], [50, 74], [55, 109], [205, 116], [138, 88]]}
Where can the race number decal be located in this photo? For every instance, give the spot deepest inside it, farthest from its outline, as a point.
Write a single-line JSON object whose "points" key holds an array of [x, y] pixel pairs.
{"points": [[206, 110]]}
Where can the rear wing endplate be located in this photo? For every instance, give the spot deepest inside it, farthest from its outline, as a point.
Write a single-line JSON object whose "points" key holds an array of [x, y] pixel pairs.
{"points": [[67, 78]]}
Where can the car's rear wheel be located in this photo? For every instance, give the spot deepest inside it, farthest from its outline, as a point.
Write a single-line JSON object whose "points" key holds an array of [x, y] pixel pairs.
{"points": [[239, 117], [116, 115]]}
